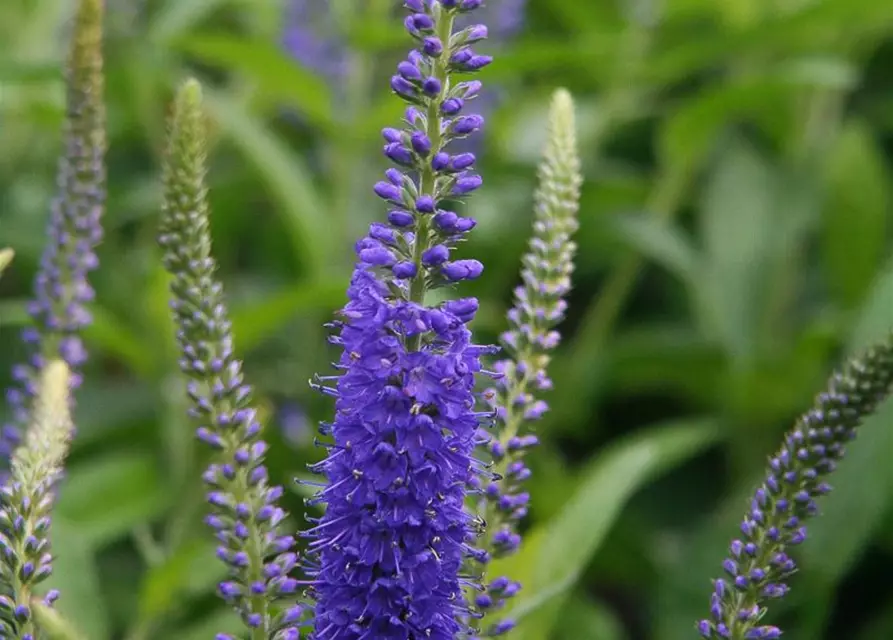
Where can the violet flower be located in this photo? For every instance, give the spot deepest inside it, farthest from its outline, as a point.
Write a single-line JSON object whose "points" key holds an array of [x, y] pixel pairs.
{"points": [[539, 306], [244, 512], [26, 503], [758, 564], [391, 543], [61, 288]]}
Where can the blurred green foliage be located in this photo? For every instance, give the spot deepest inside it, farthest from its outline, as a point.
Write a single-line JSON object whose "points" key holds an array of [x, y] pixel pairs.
{"points": [[734, 244]]}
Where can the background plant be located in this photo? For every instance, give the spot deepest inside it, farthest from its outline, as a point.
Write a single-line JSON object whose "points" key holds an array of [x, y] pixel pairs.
{"points": [[734, 242]]}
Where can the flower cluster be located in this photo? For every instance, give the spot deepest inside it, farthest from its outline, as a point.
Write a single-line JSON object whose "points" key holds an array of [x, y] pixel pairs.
{"points": [[391, 544], [26, 502], [539, 306], [245, 516], [61, 289], [758, 564]]}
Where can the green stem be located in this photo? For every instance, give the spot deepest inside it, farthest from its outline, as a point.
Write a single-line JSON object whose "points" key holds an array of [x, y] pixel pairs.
{"points": [[427, 179], [53, 624]]}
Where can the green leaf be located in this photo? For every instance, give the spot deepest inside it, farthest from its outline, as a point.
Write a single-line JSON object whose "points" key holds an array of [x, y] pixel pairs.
{"points": [[255, 320], [104, 405], [555, 554], [852, 514], [220, 622], [855, 220], [879, 627], [117, 339], [108, 496], [875, 319], [737, 224], [662, 242], [277, 75], [691, 132], [191, 570], [14, 313], [584, 619], [76, 576], [305, 215], [179, 16]]}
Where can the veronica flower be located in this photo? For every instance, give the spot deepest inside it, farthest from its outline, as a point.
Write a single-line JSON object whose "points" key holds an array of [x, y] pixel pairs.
{"points": [[758, 564], [244, 514], [26, 502], [539, 306], [61, 289], [391, 544]]}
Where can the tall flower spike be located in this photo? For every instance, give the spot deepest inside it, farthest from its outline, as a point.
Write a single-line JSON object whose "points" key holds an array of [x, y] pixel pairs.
{"points": [[758, 564], [244, 514], [61, 289], [26, 502], [390, 545], [539, 306]]}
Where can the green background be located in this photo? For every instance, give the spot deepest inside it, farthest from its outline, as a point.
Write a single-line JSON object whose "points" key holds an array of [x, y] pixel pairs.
{"points": [[734, 245]]}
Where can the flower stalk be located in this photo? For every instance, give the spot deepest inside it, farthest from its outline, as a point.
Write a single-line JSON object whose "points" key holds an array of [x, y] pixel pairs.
{"points": [[61, 288], [539, 306], [26, 502], [244, 515], [388, 551], [758, 564]]}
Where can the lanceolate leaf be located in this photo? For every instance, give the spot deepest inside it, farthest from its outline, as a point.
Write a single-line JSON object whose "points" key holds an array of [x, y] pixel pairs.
{"points": [[555, 554]]}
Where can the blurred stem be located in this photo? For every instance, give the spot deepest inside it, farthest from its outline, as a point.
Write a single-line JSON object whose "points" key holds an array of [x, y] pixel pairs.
{"points": [[150, 551], [598, 321], [52, 624], [180, 453]]}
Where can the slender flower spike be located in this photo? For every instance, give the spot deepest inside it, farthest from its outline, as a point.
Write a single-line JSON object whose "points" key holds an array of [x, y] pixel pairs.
{"points": [[61, 289], [391, 543], [758, 564], [26, 501], [244, 514], [539, 306]]}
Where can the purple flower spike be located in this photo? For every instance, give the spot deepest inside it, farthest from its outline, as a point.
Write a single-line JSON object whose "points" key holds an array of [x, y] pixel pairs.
{"points": [[61, 287], [391, 546], [244, 515], [758, 565]]}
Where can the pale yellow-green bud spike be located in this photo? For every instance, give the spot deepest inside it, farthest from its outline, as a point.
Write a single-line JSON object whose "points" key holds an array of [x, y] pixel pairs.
{"points": [[26, 499], [6, 256], [540, 302], [46, 442], [558, 195]]}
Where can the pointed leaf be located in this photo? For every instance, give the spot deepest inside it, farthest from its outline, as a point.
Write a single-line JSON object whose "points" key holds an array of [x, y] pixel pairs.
{"points": [[555, 554], [286, 175], [855, 220]]}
